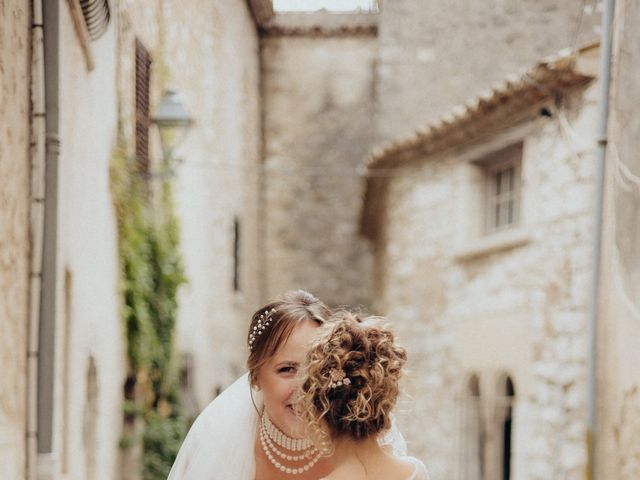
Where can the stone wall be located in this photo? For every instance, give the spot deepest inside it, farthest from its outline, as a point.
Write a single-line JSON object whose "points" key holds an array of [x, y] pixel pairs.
{"points": [[519, 310], [618, 442], [434, 55], [208, 51], [15, 76], [318, 108]]}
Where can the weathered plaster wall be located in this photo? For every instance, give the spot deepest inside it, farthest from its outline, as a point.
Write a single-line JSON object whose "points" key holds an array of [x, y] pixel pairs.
{"points": [[208, 51], [453, 49], [90, 342], [318, 126], [15, 76], [619, 381], [521, 311]]}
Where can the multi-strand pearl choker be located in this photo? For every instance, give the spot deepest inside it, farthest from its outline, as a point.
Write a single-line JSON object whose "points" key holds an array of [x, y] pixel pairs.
{"points": [[271, 437]]}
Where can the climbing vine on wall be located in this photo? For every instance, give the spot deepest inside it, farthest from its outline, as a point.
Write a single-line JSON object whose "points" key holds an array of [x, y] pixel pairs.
{"points": [[151, 272]]}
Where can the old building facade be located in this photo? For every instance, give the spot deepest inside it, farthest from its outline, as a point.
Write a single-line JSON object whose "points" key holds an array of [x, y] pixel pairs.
{"points": [[482, 232], [71, 104], [268, 187], [336, 84], [208, 52], [15, 31]]}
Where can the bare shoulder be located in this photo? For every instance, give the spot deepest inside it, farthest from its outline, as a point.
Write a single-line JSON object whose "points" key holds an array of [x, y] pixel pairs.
{"points": [[396, 468], [351, 471]]}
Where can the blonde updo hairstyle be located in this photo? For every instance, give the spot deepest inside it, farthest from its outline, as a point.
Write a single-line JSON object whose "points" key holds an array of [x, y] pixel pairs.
{"points": [[366, 351], [293, 308]]}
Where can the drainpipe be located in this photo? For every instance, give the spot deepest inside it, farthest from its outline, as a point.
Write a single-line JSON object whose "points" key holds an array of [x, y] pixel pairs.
{"points": [[35, 232], [602, 139], [48, 292]]}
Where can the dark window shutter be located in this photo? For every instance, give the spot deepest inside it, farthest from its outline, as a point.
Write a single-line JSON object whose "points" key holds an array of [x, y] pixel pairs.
{"points": [[97, 15], [143, 80]]}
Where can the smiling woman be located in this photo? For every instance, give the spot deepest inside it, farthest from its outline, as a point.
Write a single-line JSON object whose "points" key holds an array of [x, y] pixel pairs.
{"points": [[251, 431]]}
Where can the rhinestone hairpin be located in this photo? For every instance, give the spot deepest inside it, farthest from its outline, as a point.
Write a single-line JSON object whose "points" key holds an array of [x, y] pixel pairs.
{"points": [[338, 377], [261, 325]]}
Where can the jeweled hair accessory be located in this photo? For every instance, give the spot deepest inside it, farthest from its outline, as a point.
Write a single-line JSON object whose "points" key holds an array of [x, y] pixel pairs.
{"points": [[338, 378], [263, 322]]}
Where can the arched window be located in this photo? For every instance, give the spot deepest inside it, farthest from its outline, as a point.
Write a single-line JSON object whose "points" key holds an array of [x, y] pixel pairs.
{"points": [[509, 393]]}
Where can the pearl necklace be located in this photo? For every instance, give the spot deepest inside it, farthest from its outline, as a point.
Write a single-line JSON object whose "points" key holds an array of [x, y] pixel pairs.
{"points": [[269, 434], [294, 444]]}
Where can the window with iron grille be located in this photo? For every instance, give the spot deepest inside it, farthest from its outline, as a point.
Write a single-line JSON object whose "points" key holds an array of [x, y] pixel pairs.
{"points": [[97, 15], [503, 188], [143, 120]]}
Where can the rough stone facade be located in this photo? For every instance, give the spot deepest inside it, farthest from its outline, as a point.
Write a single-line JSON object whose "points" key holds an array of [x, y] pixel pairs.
{"points": [[318, 108], [433, 55], [511, 309], [619, 383], [15, 26], [209, 52]]}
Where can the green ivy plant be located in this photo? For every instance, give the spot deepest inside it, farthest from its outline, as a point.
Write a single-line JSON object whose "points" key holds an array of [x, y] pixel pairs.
{"points": [[151, 272]]}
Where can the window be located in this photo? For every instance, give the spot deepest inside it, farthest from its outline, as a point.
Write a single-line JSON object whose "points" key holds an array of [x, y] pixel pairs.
{"points": [[97, 15], [507, 427], [143, 120], [90, 20], [487, 429], [236, 254], [503, 188]]}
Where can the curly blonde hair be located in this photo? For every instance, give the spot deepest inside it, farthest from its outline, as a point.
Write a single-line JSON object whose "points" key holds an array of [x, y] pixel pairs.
{"points": [[366, 351]]}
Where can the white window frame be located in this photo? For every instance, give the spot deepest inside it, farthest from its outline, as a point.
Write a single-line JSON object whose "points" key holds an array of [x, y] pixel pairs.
{"points": [[503, 192]]}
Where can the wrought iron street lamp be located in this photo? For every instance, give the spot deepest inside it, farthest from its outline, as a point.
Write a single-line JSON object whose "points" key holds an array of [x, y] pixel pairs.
{"points": [[173, 123]]}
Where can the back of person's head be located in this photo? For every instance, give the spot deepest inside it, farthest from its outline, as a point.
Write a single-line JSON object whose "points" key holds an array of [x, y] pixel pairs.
{"points": [[350, 379]]}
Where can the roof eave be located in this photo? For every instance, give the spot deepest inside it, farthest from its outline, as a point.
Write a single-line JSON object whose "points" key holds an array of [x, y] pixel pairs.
{"points": [[459, 132]]}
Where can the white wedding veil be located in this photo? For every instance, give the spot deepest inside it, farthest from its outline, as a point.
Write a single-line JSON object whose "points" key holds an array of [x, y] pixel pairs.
{"points": [[220, 443]]}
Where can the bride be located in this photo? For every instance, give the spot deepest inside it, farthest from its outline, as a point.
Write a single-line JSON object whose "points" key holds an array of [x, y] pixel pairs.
{"points": [[251, 431]]}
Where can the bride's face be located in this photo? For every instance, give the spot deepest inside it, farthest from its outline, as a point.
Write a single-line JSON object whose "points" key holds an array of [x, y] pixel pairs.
{"points": [[278, 378]]}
